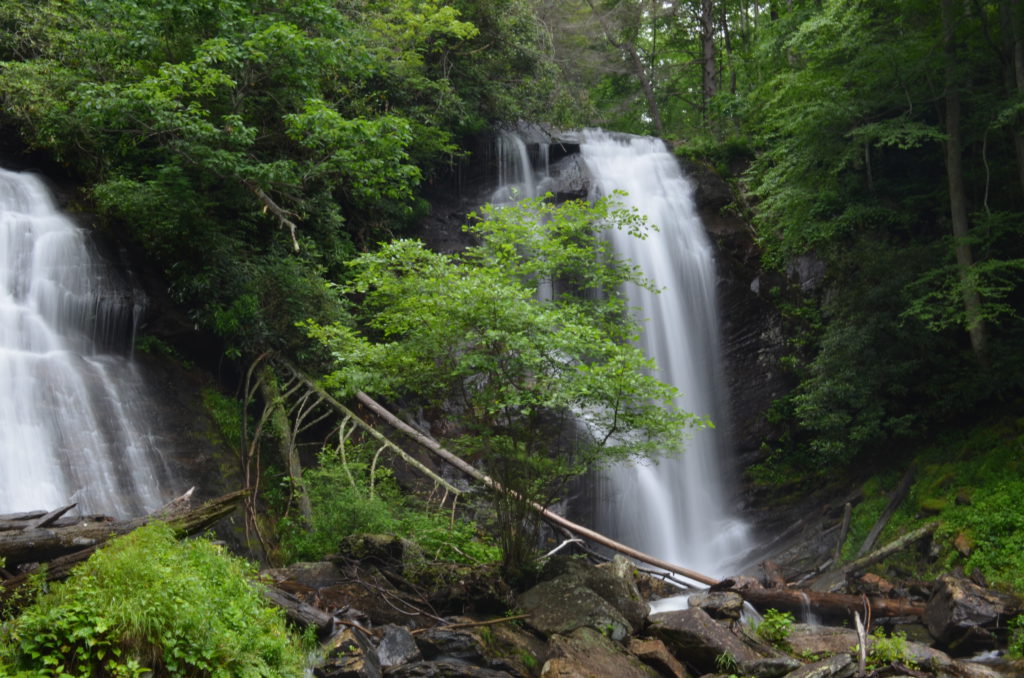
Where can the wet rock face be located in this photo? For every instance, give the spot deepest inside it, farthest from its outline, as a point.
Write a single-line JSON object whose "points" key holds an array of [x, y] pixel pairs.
{"points": [[752, 337], [963, 616]]}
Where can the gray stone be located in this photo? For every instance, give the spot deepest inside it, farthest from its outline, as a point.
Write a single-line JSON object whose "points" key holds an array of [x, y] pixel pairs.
{"points": [[397, 646], [564, 604], [807, 638], [445, 668], [587, 653], [839, 666], [769, 667], [653, 652], [959, 608], [613, 582], [699, 638], [351, 656], [719, 604], [454, 643]]}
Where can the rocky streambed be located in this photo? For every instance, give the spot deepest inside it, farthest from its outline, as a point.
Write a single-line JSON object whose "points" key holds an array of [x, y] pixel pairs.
{"points": [[391, 613]]}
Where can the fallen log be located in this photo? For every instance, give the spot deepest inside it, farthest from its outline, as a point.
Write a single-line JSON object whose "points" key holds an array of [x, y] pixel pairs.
{"points": [[548, 515], [831, 605], [898, 495], [45, 544], [300, 613], [834, 580]]}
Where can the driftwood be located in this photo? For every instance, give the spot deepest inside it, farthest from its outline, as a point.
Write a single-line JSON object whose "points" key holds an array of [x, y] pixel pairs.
{"points": [[833, 605], [548, 515], [44, 544]]}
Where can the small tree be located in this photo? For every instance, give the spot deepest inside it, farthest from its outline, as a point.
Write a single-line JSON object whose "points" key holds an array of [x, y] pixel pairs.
{"points": [[536, 390]]}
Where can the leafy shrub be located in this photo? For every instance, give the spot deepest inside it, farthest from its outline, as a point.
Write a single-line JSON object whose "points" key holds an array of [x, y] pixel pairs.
{"points": [[1015, 647], [775, 628], [147, 602], [886, 650]]}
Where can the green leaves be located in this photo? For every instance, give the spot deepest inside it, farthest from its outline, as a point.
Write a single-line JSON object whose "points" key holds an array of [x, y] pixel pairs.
{"points": [[147, 602], [516, 376]]}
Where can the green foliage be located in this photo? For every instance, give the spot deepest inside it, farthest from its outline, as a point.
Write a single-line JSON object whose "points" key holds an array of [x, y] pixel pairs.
{"points": [[227, 414], [352, 492], [468, 336], [969, 482], [887, 650], [775, 628], [726, 663], [1015, 646], [146, 602], [246, 145]]}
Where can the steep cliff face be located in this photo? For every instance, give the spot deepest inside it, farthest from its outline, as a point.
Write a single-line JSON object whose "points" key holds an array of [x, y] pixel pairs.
{"points": [[752, 333]]}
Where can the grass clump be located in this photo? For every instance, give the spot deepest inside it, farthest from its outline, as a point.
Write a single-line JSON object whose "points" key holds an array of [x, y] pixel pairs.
{"points": [[149, 603]]}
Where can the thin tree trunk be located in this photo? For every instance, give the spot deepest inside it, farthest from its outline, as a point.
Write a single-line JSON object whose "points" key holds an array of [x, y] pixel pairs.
{"points": [[640, 70], [707, 42], [281, 428], [957, 192], [1014, 56]]}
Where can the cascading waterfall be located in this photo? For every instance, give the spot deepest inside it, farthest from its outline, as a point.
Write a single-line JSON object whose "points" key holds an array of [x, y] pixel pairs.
{"points": [[73, 407], [678, 509]]}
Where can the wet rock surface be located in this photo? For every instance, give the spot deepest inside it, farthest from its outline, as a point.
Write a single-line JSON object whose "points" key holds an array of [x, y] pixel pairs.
{"points": [[387, 624]]}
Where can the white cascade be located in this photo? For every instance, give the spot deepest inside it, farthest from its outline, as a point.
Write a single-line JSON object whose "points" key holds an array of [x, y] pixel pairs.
{"points": [[73, 407], [679, 509]]}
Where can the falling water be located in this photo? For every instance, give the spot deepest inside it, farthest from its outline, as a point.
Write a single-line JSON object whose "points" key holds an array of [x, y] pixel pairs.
{"points": [[679, 509], [73, 407]]}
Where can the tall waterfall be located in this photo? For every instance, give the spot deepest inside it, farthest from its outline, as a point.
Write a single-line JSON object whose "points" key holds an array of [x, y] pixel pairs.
{"points": [[679, 508], [73, 407]]}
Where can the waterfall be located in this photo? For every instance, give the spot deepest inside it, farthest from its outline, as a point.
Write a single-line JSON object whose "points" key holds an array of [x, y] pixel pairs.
{"points": [[74, 408], [678, 509]]}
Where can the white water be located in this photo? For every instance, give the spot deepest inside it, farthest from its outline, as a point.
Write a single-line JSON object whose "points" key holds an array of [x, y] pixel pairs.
{"points": [[678, 510], [73, 408]]}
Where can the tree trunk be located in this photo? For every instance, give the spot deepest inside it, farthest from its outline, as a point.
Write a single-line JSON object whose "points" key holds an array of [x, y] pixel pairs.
{"points": [[707, 43], [287, 448], [1014, 58], [640, 70], [957, 192]]}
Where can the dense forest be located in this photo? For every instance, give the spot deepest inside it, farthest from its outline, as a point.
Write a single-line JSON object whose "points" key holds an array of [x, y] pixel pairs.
{"points": [[271, 158]]}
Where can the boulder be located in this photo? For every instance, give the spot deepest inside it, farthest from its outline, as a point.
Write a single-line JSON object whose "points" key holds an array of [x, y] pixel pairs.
{"points": [[352, 655], [719, 604], [451, 644], [586, 653], [839, 666], [768, 667], [815, 639], [564, 604], [654, 653], [960, 614], [614, 582], [694, 636], [445, 668], [397, 646]]}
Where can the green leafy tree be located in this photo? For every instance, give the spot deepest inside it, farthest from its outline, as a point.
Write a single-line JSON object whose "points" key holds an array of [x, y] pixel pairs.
{"points": [[537, 391], [248, 143]]}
